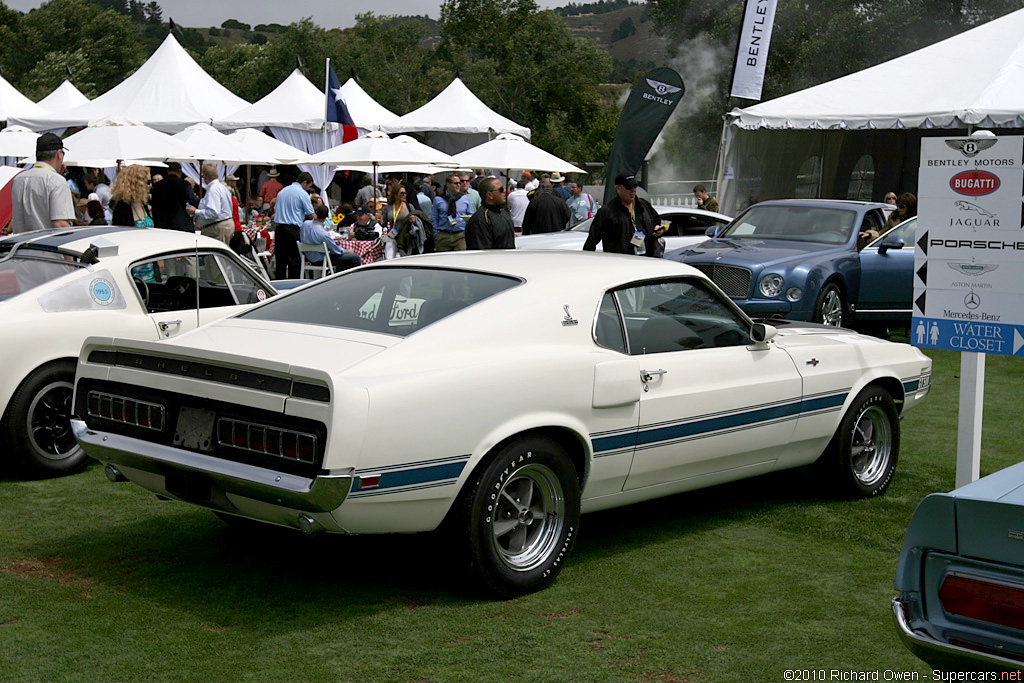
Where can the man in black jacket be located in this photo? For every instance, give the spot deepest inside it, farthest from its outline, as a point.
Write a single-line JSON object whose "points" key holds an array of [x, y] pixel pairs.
{"points": [[491, 226], [546, 212], [627, 224], [170, 196]]}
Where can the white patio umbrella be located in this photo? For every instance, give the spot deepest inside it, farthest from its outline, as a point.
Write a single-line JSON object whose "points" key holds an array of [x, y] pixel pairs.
{"points": [[261, 143], [376, 150], [119, 139], [17, 141], [509, 151], [206, 143]]}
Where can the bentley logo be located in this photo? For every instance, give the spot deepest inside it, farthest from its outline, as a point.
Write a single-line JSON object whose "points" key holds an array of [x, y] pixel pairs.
{"points": [[970, 148], [664, 88], [968, 206], [568, 320], [718, 256], [972, 268], [972, 301]]}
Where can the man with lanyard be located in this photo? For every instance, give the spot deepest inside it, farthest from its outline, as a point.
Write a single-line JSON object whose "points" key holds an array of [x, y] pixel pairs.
{"points": [[447, 216], [627, 224], [491, 226], [40, 197], [580, 203], [214, 212], [293, 208]]}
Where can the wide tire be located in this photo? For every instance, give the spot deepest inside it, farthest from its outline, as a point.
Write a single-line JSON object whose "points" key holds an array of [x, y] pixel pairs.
{"points": [[521, 516], [38, 423], [861, 458], [830, 309]]}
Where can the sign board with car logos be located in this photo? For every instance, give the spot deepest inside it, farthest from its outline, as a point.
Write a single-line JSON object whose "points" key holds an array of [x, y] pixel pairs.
{"points": [[968, 274]]}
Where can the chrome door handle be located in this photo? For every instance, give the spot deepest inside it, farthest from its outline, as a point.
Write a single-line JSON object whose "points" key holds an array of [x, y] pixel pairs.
{"points": [[648, 375], [164, 324]]}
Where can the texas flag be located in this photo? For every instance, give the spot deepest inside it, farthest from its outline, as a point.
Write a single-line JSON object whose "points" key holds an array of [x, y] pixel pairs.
{"points": [[337, 112]]}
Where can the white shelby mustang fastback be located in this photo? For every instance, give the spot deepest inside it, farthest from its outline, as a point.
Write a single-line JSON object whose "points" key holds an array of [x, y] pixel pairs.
{"points": [[504, 392]]}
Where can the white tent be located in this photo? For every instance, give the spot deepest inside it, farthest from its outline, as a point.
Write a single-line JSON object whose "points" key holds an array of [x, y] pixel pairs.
{"points": [[65, 96], [973, 79], [295, 103], [455, 120], [13, 104], [365, 111], [169, 93]]}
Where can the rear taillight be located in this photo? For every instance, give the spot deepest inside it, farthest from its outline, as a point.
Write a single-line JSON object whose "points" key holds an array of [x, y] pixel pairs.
{"points": [[991, 602], [265, 439], [126, 410]]}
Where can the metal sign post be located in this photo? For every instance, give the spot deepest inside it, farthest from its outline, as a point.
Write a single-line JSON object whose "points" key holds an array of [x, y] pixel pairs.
{"points": [[968, 275]]}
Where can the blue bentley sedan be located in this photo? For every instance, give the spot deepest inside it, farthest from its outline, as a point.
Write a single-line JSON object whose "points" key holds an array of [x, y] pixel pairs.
{"points": [[804, 259]]}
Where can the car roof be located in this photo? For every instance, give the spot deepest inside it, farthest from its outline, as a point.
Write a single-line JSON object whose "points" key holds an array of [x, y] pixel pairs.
{"points": [[826, 203], [682, 208], [551, 268], [131, 242]]}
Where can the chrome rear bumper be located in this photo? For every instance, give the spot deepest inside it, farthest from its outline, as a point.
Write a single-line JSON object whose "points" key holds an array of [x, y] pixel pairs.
{"points": [[322, 493], [945, 656]]}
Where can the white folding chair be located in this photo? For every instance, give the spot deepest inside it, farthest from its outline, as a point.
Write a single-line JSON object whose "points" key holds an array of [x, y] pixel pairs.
{"points": [[263, 255], [316, 270]]}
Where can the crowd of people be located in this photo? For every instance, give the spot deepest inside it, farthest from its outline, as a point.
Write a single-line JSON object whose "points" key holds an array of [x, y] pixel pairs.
{"points": [[405, 215]]}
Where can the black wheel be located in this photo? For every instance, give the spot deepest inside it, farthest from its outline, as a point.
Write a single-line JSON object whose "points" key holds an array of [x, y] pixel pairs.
{"points": [[522, 516], [38, 423], [830, 309], [861, 458]]}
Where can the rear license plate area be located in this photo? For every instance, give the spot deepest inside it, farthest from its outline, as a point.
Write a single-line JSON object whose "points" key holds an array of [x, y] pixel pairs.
{"points": [[194, 429]]}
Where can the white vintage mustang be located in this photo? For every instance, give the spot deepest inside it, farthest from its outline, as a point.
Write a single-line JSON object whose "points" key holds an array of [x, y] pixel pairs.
{"points": [[57, 287], [504, 392]]}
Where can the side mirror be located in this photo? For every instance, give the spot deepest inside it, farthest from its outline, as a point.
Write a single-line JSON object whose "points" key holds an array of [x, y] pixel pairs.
{"points": [[762, 334], [713, 231], [890, 244]]}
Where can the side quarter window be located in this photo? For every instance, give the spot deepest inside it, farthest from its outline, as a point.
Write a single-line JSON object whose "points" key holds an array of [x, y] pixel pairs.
{"points": [[678, 315], [608, 326]]}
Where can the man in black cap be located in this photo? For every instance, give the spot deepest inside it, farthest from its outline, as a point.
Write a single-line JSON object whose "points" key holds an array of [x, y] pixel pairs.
{"points": [[170, 196], [627, 224], [40, 196]]}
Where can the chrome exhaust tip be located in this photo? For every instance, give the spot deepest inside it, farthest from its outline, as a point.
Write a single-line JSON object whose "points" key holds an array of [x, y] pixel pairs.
{"points": [[114, 474], [308, 525]]}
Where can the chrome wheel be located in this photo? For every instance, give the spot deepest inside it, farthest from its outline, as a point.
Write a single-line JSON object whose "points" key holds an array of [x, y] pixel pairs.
{"points": [[871, 445], [830, 310], [528, 516], [49, 421]]}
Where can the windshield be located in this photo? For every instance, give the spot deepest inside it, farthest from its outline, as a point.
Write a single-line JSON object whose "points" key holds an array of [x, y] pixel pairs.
{"points": [[22, 273], [413, 297], [801, 223]]}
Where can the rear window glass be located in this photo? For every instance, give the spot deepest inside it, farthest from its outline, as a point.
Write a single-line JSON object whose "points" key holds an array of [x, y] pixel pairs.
{"points": [[19, 275], [395, 301]]}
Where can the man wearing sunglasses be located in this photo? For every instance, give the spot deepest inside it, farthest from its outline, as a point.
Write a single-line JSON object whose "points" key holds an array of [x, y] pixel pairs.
{"points": [[491, 226], [449, 208]]}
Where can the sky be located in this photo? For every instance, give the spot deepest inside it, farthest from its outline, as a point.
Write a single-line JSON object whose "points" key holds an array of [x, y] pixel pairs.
{"points": [[326, 13]]}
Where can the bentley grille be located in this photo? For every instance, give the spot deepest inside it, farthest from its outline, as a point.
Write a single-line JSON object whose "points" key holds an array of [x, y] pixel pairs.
{"points": [[735, 282]]}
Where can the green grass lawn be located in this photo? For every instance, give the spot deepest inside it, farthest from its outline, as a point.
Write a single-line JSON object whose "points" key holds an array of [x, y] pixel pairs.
{"points": [[103, 582]]}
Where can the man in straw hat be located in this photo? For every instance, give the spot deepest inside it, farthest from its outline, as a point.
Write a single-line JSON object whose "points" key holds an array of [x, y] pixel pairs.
{"points": [[40, 196]]}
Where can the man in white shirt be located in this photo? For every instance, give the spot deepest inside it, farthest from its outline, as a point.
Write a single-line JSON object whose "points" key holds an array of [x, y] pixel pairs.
{"points": [[214, 212], [517, 203], [40, 197]]}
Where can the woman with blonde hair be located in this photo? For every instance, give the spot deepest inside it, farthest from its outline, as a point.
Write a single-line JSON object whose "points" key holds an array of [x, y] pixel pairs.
{"points": [[129, 196]]}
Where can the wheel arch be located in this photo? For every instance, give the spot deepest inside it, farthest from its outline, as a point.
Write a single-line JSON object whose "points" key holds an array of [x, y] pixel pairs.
{"points": [[14, 388]]}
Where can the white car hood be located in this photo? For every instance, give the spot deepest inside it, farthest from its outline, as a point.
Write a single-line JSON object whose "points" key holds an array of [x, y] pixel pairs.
{"points": [[289, 343]]}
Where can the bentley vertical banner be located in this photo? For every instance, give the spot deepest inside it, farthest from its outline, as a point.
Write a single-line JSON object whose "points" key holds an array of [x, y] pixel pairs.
{"points": [[648, 107], [752, 53]]}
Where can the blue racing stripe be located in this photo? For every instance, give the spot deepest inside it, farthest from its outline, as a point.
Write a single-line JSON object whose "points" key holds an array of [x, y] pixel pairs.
{"points": [[728, 422], [418, 475]]}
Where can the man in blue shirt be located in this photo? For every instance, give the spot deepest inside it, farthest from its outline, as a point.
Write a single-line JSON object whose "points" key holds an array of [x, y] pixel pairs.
{"points": [[447, 216], [292, 208], [314, 232]]}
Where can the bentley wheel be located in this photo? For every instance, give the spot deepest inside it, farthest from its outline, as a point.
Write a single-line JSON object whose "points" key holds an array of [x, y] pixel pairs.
{"points": [[522, 514], [830, 308], [38, 422], [861, 458]]}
